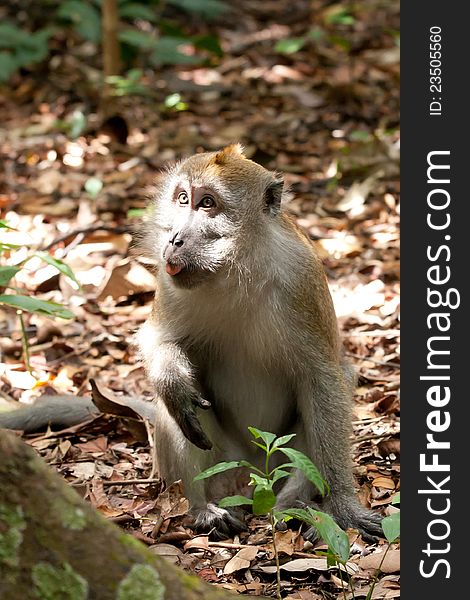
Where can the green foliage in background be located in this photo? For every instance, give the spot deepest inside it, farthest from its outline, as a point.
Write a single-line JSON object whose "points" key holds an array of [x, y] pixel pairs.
{"points": [[15, 299], [333, 21], [143, 33], [21, 302], [19, 48]]}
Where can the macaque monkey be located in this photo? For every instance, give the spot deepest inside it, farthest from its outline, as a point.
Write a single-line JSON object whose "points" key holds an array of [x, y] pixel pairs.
{"points": [[243, 333]]}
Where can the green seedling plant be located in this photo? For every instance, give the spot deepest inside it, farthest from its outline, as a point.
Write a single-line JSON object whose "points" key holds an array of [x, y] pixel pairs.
{"points": [[391, 529], [22, 303], [263, 500]]}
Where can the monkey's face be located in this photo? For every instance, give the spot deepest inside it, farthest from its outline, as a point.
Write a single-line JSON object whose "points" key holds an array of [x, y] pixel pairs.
{"points": [[198, 240], [210, 207]]}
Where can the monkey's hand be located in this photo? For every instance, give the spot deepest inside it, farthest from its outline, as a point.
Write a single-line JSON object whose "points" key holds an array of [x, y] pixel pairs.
{"points": [[172, 375], [181, 405]]}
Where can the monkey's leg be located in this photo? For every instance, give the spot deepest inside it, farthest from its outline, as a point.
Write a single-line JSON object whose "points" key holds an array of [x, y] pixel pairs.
{"points": [[325, 408], [178, 458]]}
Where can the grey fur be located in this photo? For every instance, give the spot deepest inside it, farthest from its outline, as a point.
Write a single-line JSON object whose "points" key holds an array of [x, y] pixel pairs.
{"points": [[248, 326]]}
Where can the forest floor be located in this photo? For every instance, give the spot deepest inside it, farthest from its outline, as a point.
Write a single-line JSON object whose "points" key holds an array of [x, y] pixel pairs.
{"points": [[327, 117]]}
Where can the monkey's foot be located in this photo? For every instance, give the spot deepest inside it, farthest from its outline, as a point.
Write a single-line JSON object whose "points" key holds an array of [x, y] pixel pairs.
{"points": [[367, 522], [220, 523]]}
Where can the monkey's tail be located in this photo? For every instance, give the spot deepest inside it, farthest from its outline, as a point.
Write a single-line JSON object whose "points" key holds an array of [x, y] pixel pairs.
{"points": [[60, 412], [56, 411]]}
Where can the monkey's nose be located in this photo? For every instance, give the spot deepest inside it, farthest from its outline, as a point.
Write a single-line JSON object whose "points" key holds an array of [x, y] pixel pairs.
{"points": [[176, 241]]}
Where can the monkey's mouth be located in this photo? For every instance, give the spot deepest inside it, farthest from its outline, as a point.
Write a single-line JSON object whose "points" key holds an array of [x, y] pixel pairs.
{"points": [[173, 269], [186, 274]]}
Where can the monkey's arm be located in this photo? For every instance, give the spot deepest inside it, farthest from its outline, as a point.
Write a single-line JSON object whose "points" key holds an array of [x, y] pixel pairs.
{"points": [[57, 411], [173, 381], [172, 375]]}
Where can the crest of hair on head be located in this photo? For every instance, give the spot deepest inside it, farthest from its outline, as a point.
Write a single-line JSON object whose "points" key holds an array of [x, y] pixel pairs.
{"points": [[229, 152]]}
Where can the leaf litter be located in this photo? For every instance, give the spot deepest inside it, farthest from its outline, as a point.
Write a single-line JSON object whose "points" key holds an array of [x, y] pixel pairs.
{"points": [[327, 116]]}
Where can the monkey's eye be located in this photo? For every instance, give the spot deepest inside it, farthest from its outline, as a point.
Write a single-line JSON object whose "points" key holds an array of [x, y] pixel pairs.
{"points": [[207, 202], [183, 198]]}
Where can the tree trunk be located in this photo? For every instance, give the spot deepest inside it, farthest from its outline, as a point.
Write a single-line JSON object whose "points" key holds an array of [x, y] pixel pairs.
{"points": [[111, 50], [54, 546]]}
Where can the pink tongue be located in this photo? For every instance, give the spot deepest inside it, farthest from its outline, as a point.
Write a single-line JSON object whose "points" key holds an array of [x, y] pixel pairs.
{"points": [[173, 269]]}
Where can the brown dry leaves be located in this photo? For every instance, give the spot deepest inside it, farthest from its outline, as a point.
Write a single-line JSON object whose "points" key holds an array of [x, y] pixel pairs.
{"points": [[327, 116]]}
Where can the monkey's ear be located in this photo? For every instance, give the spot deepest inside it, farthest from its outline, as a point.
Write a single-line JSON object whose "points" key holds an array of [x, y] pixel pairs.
{"points": [[273, 194], [229, 152]]}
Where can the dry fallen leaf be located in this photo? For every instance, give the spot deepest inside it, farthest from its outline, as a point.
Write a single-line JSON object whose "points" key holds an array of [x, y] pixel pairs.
{"points": [[172, 502], [384, 482], [83, 470], [127, 277], [241, 560], [167, 551], [97, 446], [391, 563], [285, 541], [301, 564], [221, 558], [201, 542], [208, 574], [304, 595]]}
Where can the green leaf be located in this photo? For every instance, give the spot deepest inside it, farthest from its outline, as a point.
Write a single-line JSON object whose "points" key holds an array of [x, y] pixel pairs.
{"points": [[396, 498], [209, 43], [175, 102], [329, 530], [36, 48], [332, 533], [331, 559], [133, 10], [23, 48], [4, 225], [359, 135], [93, 186], [4, 246], [138, 39], [304, 464], [129, 84], [245, 463], [316, 34], [340, 16], [264, 499], [33, 305], [283, 440], [11, 36], [77, 124], [58, 264], [8, 65], [166, 52], [134, 75], [7, 273], [340, 41], [234, 501], [85, 18], [134, 213], [256, 479], [218, 468], [391, 526], [290, 45], [268, 438], [206, 8], [279, 474]]}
